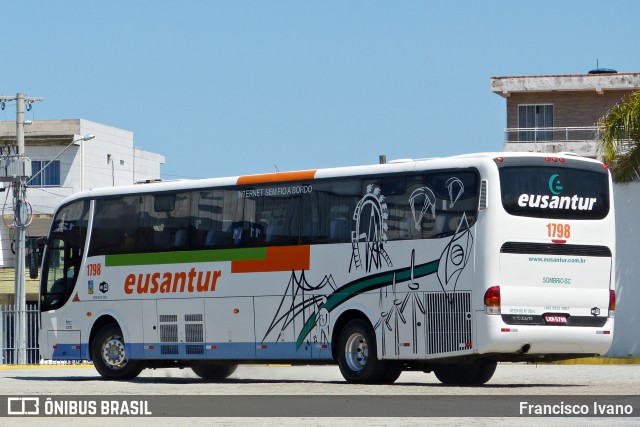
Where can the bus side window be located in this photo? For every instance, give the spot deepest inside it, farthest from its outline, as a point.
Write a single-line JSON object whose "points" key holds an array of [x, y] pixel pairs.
{"points": [[256, 233], [399, 214], [180, 238], [237, 228], [274, 230], [215, 238], [339, 230], [428, 228], [129, 241], [161, 239]]}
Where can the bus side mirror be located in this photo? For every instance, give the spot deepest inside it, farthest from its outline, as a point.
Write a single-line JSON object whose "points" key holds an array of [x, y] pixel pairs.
{"points": [[32, 258]]}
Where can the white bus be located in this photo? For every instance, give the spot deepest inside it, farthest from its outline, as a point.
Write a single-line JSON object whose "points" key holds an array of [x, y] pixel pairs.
{"points": [[440, 265]]}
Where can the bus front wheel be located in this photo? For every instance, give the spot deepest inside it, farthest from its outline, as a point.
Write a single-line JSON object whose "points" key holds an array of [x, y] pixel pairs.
{"points": [[214, 371], [358, 358], [472, 374], [110, 357]]}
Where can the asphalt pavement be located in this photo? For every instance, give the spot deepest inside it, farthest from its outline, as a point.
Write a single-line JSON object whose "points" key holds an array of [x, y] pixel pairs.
{"points": [[558, 383]]}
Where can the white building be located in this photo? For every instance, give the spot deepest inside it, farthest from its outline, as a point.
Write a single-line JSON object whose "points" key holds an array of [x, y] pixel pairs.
{"points": [[109, 159]]}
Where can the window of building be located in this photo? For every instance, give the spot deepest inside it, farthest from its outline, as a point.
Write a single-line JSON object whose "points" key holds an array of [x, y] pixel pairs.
{"points": [[531, 117], [49, 177]]}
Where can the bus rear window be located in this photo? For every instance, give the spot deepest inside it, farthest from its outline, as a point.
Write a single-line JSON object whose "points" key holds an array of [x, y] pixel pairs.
{"points": [[555, 192]]}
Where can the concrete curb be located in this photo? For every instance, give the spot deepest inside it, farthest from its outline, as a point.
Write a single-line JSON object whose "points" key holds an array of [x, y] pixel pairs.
{"points": [[600, 361], [89, 365], [9, 367], [582, 361]]}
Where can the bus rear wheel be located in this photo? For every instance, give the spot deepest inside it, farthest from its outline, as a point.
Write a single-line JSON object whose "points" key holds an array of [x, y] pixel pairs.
{"points": [[394, 369], [214, 371], [472, 374], [109, 355], [358, 357]]}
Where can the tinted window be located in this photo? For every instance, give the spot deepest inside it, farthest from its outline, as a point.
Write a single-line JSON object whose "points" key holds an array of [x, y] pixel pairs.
{"points": [[392, 207], [115, 226], [555, 192], [216, 219], [163, 222], [428, 205], [338, 210], [327, 210], [63, 255]]}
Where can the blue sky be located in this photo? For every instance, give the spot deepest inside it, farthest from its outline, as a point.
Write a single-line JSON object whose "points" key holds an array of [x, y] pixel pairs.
{"points": [[237, 87]]}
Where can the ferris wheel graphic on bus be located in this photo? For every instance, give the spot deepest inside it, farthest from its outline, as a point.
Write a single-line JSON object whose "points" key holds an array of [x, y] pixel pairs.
{"points": [[370, 231]]}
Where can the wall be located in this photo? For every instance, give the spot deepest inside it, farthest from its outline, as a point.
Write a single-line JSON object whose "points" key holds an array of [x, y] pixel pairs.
{"points": [[626, 337], [570, 109], [114, 160]]}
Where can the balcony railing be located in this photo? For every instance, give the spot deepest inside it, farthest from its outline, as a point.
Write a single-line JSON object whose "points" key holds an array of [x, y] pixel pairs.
{"points": [[552, 134]]}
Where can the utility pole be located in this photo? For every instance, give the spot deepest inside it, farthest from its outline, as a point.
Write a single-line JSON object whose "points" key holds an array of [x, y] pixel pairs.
{"points": [[21, 170]]}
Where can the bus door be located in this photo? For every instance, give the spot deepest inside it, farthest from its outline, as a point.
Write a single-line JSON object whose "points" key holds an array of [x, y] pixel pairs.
{"points": [[61, 268]]}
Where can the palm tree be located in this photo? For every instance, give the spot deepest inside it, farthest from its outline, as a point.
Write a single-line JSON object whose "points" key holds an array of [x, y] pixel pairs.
{"points": [[620, 138]]}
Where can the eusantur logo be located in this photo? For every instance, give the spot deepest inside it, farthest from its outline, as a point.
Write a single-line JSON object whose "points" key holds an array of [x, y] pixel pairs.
{"points": [[574, 203], [554, 184]]}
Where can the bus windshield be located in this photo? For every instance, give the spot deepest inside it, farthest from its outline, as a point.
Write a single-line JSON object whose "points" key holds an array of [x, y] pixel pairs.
{"points": [[555, 192], [64, 255]]}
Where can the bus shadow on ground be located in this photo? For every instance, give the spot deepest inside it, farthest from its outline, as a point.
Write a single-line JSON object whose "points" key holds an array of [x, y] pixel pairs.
{"points": [[176, 380], [253, 381]]}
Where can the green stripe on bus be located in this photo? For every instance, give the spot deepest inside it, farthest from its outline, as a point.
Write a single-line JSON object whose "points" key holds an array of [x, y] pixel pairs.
{"points": [[366, 284], [183, 257]]}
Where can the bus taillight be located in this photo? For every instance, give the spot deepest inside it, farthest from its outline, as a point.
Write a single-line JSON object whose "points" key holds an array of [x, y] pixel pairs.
{"points": [[612, 300], [492, 300]]}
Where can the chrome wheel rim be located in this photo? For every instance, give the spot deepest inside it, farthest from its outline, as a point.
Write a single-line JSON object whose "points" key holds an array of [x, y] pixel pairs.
{"points": [[113, 352], [356, 352]]}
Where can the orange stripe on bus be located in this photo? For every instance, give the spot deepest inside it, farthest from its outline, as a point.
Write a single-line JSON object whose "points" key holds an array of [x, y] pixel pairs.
{"points": [[276, 177], [279, 258]]}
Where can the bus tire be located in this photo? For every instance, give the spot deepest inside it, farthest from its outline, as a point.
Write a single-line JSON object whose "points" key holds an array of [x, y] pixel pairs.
{"points": [[357, 354], [473, 374], [109, 355], [394, 369], [214, 371]]}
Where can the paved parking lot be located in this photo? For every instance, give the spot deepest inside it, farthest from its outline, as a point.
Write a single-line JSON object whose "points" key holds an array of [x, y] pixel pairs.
{"points": [[562, 381]]}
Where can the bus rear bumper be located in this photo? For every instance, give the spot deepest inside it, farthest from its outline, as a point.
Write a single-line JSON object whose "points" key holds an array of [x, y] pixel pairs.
{"points": [[495, 336]]}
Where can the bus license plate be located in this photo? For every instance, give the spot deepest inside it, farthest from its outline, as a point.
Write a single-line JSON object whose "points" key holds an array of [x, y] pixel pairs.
{"points": [[555, 319]]}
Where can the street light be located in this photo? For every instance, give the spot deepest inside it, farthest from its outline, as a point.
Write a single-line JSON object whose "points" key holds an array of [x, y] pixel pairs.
{"points": [[87, 137]]}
